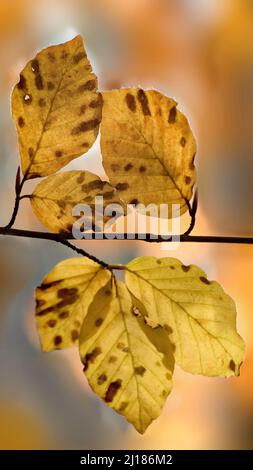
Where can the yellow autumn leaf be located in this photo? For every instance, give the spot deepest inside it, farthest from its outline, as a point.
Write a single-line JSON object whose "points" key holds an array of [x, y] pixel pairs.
{"points": [[55, 197], [196, 313], [148, 148], [128, 364], [63, 298], [56, 108]]}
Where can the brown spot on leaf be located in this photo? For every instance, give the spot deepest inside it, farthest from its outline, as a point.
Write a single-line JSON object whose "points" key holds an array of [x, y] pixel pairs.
{"points": [[185, 268], [164, 393], [90, 357], [168, 328], [39, 82], [112, 359], [48, 285], [232, 365], [64, 54], [204, 280], [143, 100], [57, 340], [63, 315], [134, 201], [42, 102], [140, 370], [45, 311], [96, 184], [87, 199], [123, 406], [183, 141], [115, 167], [84, 188], [80, 178], [172, 115], [83, 108], [40, 302], [78, 57], [172, 267], [21, 121], [51, 56], [61, 204], [95, 103], [128, 167], [35, 66], [50, 86], [130, 101], [65, 292], [58, 153], [85, 145], [187, 179], [68, 300], [99, 321], [51, 323], [74, 335], [122, 186], [168, 376], [112, 390], [107, 292], [108, 194], [159, 261], [142, 169], [85, 126], [89, 85], [101, 379], [22, 83], [122, 347]]}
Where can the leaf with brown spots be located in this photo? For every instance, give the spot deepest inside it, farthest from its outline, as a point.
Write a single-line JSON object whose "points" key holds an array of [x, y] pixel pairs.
{"points": [[196, 313], [63, 299], [148, 148], [55, 197], [56, 107], [128, 364]]}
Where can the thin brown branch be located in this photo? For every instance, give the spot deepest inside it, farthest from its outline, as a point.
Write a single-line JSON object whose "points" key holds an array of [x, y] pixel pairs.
{"points": [[18, 188], [126, 236]]}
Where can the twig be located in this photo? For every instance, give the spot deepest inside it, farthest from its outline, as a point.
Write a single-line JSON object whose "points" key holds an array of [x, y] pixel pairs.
{"points": [[83, 253], [141, 237], [192, 211], [18, 187]]}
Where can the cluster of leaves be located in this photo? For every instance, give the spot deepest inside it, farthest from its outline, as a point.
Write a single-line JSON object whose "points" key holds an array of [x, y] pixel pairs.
{"points": [[129, 334]]}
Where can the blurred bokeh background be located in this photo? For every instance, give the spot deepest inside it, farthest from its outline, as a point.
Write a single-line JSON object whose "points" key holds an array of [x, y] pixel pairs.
{"points": [[201, 53]]}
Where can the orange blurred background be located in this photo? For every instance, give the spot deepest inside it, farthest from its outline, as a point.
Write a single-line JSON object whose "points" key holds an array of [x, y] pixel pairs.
{"points": [[201, 53]]}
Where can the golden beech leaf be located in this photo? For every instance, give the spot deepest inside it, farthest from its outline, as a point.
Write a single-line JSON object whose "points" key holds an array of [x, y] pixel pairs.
{"points": [[63, 298], [196, 313], [56, 108], [128, 364], [148, 148], [54, 198]]}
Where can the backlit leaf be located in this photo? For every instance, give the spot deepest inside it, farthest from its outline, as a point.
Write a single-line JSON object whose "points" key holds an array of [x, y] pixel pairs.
{"points": [[63, 298], [54, 198], [148, 148], [196, 313], [56, 108], [128, 364]]}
